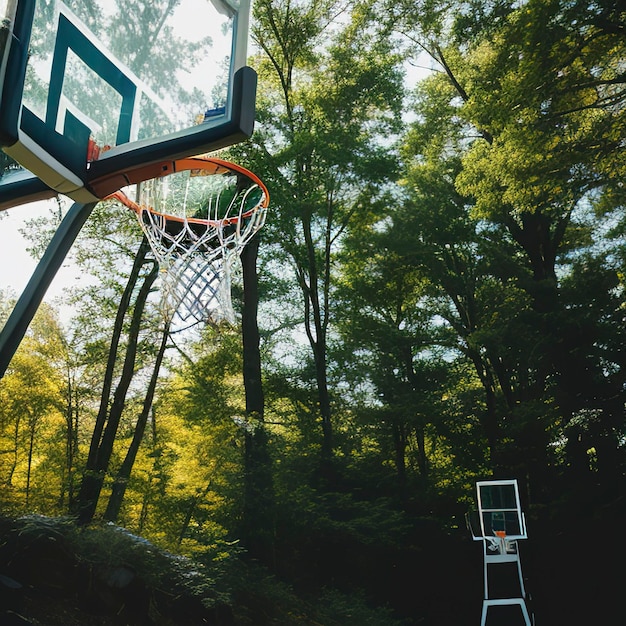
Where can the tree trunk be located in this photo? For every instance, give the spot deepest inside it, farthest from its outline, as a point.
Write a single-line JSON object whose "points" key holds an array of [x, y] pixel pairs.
{"points": [[118, 326], [31, 445], [121, 480], [489, 421], [70, 439], [422, 459], [321, 374], [399, 444], [258, 513], [16, 447], [93, 478], [145, 503], [316, 322], [73, 445], [191, 509]]}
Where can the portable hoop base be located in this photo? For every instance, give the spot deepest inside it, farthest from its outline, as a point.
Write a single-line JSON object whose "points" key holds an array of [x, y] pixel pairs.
{"points": [[500, 526]]}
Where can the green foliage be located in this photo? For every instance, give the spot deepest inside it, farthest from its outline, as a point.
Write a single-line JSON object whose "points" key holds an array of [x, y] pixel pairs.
{"points": [[261, 599], [547, 89], [111, 547], [352, 610], [505, 156], [449, 305], [31, 401], [176, 574], [341, 517]]}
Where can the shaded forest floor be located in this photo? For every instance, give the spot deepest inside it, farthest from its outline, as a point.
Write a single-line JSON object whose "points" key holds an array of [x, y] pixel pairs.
{"points": [[107, 577]]}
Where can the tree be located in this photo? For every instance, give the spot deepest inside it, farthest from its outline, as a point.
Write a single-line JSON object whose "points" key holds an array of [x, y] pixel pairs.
{"points": [[32, 390], [123, 474], [537, 93], [206, 400], [258, 508], [420, 301], [330, 95], [107, 422], [77, 395]]}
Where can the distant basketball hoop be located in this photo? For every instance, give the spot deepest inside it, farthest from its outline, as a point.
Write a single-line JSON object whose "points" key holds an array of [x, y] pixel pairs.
{"points": [[500, 525], [197, 216]]}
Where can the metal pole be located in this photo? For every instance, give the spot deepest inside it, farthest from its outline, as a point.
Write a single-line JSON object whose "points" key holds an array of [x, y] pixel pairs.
{"points": [[28, 303]]}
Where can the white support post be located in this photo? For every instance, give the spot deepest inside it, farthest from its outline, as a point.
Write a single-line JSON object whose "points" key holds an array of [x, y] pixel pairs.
{"points": [[502, 525], [504, 602]]}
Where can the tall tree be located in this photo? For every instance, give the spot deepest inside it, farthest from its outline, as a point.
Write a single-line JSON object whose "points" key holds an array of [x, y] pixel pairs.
{"points": [[390, 342], [538, 90], [258, 510], [123, 474], [331, 92], [32, 390], [107, 423]]}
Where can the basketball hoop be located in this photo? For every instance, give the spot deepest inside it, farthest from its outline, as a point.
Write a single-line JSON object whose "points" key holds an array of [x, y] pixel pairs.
{"points": [[197, 217], [500, 543]]}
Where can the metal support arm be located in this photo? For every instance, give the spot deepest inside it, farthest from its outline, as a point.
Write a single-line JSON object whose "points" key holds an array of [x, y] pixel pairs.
{"points": [[28, 303]]}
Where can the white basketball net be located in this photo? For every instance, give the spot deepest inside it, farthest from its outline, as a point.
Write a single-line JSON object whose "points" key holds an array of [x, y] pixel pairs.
{"points": [[197, 225]]}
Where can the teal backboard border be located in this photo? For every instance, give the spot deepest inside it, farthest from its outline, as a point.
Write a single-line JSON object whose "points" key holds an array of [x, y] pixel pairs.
{"points": [[92, 181], [15, 71]]}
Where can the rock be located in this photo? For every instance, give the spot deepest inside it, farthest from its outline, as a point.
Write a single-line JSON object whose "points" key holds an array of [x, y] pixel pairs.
{"points": [[9, 618], [116, 590], [11, 593]]}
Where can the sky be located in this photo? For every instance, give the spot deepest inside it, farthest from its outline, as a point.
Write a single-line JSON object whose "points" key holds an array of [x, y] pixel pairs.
{"points": [[17, 265]]}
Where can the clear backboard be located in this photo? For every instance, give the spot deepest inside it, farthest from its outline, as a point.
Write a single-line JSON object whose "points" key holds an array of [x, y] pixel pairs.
{"points": [[500, 509], [91, 90]]}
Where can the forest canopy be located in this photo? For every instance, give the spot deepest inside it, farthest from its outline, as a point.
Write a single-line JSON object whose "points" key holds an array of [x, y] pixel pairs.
{"points": [[437, 297]]}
